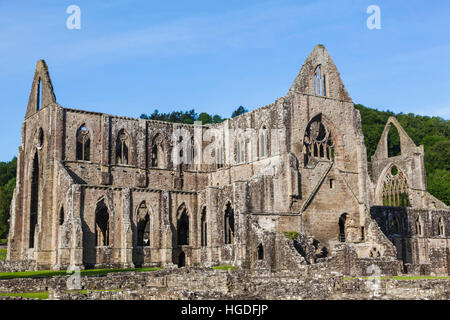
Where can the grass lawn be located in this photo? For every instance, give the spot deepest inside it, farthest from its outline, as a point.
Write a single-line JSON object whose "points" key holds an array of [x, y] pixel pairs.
{"points": [[402, 278], [3, 254], [3, 241], [52, 273], [225, 267], [39, 295]]}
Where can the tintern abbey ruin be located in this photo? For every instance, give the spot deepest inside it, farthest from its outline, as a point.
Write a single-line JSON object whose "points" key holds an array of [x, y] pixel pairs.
{"points": [[281, 187]]}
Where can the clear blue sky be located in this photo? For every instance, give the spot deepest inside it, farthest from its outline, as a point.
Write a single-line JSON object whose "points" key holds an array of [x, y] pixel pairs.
{"points": [[130, 57]]}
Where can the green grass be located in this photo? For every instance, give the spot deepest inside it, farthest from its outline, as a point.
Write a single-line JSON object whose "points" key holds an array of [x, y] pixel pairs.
{"points": [[3, 254], [401, 278], [52, 273], [3, 241], [38, 295], [291, 234], [224, 267]]}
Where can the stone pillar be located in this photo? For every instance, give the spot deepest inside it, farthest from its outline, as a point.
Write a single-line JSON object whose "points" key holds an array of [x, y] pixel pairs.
{"points": [[74, 210], [166, 228], [126, 246]]}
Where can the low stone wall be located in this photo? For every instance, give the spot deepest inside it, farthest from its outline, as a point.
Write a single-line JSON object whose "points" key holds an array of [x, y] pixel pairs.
{"points": [[17, 266]]}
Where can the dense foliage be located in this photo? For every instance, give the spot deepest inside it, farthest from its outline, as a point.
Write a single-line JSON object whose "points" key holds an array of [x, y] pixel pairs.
{"points": [[7, 184], [432, 132], [187, 117]]}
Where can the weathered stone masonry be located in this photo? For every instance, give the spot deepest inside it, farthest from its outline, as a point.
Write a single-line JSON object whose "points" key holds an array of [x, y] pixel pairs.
{"points": [[99, 190]]}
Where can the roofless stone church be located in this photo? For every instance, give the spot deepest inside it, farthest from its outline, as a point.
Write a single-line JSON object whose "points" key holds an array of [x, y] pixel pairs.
{"points": [[97, 190]]}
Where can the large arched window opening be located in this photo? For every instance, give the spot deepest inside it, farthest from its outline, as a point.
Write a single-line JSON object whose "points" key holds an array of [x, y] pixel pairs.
{"points": [[101, 225], [204, 228], [318, 142], [158, 157], [34, 199], [83, 149], [393, 142], [183, 226], [342, 222], [395, 189], [229, 224], [143, 225], [320, 82], [122, 147]]}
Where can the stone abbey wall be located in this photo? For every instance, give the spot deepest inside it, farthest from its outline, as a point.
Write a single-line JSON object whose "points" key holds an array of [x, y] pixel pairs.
{"points": [[96, 190]]}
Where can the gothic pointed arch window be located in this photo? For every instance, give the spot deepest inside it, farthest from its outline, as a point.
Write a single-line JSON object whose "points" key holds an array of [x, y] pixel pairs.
{"points": [[320, 82], [263, 142], [183, 226], [61, 216], [34, 199], [158, 159], [40, 138], [318, 142], [143, 225], [441, 231], [419, 230], [39, 95], [192, 153], [204, 228], [102, 225], [83, 149], [228, 224], [241, 150], [122, 147], [395, 188], [260, 252], [219, 156], [342, 227]]}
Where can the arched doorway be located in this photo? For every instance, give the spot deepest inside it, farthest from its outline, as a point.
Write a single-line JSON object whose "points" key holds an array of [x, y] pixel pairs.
{"points": [[260, 252], [143, 226], [181, 260], [183, 226], [342, 221], [101, 225]]}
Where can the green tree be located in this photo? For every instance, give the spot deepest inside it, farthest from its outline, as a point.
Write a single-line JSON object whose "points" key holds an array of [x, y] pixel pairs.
{"points": [[239, 111], [217, 119], [7, 185], [205, 118]]}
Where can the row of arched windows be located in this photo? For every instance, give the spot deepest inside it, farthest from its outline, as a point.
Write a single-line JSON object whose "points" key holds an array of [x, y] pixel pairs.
{"points": [[122, 151], [439, 227], [397, 227], [102, 228], [158, 153]]}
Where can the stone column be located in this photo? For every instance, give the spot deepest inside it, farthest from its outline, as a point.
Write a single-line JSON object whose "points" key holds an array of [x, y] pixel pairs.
{"points": [[126, 246], [166, 228], [74, 211]]}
